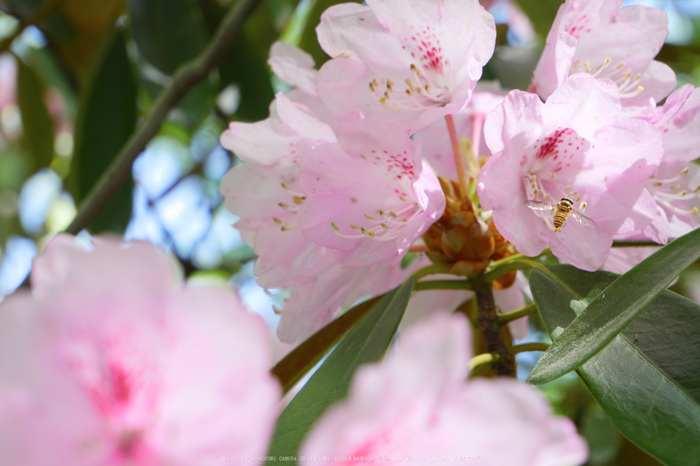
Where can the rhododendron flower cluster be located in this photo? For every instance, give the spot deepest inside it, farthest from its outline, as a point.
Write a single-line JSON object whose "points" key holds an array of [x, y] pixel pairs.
{"points": [[332, 184]]}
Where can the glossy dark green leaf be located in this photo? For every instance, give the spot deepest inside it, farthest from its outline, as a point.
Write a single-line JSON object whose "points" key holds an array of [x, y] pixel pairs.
{"points": [[244, 64], [106, 119], [37, 136], [603, 316], [47, 65], [366, 342], [167, 32], [305, 356], [309, 40], [646, 379]]}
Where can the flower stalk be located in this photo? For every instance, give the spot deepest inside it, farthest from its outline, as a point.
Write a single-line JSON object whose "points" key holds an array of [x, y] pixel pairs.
{"points": [[490, 327]]}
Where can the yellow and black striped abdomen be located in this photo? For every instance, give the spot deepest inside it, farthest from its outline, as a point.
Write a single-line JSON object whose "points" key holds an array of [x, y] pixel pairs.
{"points": [[564, 208]]}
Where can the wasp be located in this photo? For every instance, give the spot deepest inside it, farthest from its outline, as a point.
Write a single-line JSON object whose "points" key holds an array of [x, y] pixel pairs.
{"points": [[562, 210]]}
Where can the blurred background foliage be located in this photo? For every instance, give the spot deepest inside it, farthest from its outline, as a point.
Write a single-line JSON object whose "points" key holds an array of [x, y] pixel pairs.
{"points": [[77, 77]]}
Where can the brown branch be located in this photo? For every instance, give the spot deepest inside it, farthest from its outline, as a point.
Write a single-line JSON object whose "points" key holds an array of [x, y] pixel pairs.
{"points": [[487, 323], [184, 78]]}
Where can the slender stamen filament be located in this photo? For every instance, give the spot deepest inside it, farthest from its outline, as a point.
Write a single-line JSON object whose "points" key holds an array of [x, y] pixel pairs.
{"points": [[287, 207], [286, 187], [418, 93], [678, 210], [385, 228]]}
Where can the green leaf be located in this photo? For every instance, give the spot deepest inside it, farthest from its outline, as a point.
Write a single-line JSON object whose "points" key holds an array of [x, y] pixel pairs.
{"points": [[305, 356], [37, 137], [106, 119], [245, 65], [309, 40], [541, 13], [366, 342], [646, 379], [167, 32], [45, 62], [603, 316]]}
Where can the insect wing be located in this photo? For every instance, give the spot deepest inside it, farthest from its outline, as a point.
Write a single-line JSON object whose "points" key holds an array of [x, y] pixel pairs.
{"points": [[541, 206], [582, 219]]}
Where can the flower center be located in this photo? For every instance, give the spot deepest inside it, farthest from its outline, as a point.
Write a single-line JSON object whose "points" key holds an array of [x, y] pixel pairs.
{"points": [[296, 200], [416, 92], [121, 383], [380, 225], [620, 74], [671, 189]]}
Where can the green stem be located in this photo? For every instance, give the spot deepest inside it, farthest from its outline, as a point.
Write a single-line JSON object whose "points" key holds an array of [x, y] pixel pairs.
{"points": [[443, 285], [529, 347], [184, 78], [503, 319], [501, 269], [481, 359], [431, 270]]}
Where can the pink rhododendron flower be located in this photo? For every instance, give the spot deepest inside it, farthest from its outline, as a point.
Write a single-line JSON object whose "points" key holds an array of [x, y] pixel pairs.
{"points": [[676, 183], [621, 260], [578, 146], [296, 68], [265, 192], [369, 196], [469, 123], [417, 404], [408, 63], [112, 361], [600, 38]]}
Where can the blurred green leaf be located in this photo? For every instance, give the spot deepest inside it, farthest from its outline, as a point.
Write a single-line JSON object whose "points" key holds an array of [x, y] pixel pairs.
{"points": [[280, 11], [106, 119], [541, 13], [37, 136], [167, 32], [366, 342], [244, 64], [305, 356], [602, 317], [53, 74], [309, 41], [646, 378]]}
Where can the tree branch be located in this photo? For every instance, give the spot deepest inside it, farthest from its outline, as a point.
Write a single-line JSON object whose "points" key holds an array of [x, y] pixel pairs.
{"points": [[184, 78]]}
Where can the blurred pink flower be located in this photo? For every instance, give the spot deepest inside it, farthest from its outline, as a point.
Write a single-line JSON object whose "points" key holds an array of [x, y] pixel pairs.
{"points": [[113, 361], [600, 38], [8, 79], [417, 404], [578, 145], [404, 63]]}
